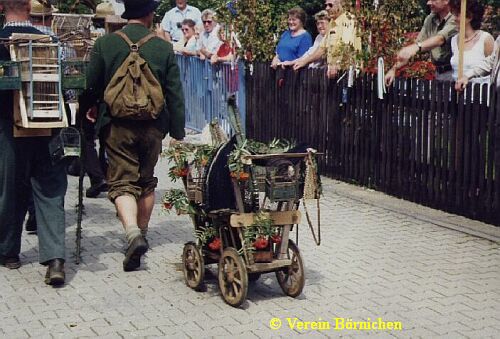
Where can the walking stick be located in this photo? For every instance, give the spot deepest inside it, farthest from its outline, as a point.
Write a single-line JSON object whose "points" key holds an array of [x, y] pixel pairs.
{"points": [[82, 107], [79, 206]]}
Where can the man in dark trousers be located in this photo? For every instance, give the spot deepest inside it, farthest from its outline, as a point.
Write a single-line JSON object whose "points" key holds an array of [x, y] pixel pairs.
{"points": [[133, 146], [24, 159]]}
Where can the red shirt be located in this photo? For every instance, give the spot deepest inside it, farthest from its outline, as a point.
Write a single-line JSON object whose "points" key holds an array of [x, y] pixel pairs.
{"points": [[224, 50]]}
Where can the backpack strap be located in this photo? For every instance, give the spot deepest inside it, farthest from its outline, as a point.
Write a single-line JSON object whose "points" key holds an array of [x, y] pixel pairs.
{"points": [[134, 47]]}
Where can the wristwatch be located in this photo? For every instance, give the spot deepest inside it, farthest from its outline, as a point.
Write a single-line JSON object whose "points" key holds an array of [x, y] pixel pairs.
{"points": [[419, 45]]}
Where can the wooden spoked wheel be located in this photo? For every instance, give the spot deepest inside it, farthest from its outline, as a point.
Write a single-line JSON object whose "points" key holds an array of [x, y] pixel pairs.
{"points": [[292, 278], [193, 265], [233, 277]]}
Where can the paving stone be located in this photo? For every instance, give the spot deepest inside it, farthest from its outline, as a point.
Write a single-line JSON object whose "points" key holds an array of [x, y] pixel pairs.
{"points": [[373, 262]]}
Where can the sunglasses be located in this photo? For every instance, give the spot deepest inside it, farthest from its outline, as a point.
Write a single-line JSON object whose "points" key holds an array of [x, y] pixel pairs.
{"points": [[328, 5], [207, 21], [185, 29]]}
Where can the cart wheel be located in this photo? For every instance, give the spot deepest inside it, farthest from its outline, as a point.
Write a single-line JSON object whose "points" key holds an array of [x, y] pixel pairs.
{"points": [[193, 264], [253, 276], [233, 278], [291, 278]]}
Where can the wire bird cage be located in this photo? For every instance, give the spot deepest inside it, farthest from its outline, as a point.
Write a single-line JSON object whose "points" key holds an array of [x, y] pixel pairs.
{"points": [[40, 95], [75, 59], [73, 31], [66, 144], [64, 24]]}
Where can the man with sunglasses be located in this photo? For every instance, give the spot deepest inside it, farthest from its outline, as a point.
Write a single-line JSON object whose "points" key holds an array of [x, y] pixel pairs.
{"points": [[209, 41], [435, 36], [341, 30], [172, 21]]}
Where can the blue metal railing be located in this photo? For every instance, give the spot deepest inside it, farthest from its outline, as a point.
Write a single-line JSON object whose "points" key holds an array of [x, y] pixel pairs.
{"points": [[206, 89]]}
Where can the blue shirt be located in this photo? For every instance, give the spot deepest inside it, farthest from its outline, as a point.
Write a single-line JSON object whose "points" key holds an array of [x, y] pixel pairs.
{"points": [[172, 20], [290, 48]]}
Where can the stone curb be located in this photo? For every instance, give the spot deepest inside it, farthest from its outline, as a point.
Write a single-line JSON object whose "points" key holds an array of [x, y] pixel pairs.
{"points": [[427, 214]]}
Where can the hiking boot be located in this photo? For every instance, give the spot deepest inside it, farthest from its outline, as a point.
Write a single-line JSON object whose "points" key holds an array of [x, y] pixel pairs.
{"points": [[55, 272], [12, 263], [135, 251], [95, 189]]}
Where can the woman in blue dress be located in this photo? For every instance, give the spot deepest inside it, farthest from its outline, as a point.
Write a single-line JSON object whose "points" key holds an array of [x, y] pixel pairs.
{"points": [[295, 41]]}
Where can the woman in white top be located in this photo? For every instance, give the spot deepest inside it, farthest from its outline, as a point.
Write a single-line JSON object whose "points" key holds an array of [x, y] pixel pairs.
{"points": [[187, 45], [478, 44]]}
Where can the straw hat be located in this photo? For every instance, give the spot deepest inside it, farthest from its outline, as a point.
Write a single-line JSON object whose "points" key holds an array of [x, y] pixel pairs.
{"points": [[40, 9], [104, 9]]}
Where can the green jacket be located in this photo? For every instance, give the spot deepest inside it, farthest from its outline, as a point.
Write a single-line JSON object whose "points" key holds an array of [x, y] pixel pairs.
{"points": [[111, 50]]}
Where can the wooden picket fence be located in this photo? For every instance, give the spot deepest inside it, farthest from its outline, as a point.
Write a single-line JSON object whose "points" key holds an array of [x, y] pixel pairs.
{"points": [[423, 142]]}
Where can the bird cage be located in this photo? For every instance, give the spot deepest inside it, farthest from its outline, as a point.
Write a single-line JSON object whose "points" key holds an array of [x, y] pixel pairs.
{"points": [[75, 54], [40, 97], [64, 24], [67, 143], [73, 31]]}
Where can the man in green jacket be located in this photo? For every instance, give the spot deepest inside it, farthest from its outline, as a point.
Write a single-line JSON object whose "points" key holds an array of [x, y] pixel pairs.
{"points": [[133, 146]]}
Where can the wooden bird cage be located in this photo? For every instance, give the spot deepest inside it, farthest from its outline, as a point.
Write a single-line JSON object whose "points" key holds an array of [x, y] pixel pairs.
{"points": [[39, 103], [64, 24]]}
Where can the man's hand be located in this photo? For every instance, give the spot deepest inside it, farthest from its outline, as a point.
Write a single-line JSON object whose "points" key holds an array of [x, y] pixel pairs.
{"points": [[214, 59], [389, 77], [332, 71], [461, 83], [406, 53], [91, 114]]}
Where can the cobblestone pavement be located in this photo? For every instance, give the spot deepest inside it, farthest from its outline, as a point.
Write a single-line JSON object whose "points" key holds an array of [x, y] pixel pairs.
{"points": [[373, 263]]}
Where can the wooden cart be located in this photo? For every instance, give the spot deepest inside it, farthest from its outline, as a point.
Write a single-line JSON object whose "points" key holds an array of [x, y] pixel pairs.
{"points": [[265, 194]]}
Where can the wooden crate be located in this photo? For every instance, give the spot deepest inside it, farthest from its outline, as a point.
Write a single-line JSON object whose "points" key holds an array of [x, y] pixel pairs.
{"points": [[279, 188], [40, 98]]}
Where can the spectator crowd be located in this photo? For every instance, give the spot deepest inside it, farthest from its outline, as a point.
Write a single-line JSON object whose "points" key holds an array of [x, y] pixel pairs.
{"points": [[196, 33]]}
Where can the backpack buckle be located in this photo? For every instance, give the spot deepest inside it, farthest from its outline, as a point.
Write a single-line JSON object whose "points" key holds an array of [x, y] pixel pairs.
{"points": [[134, 47]]}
